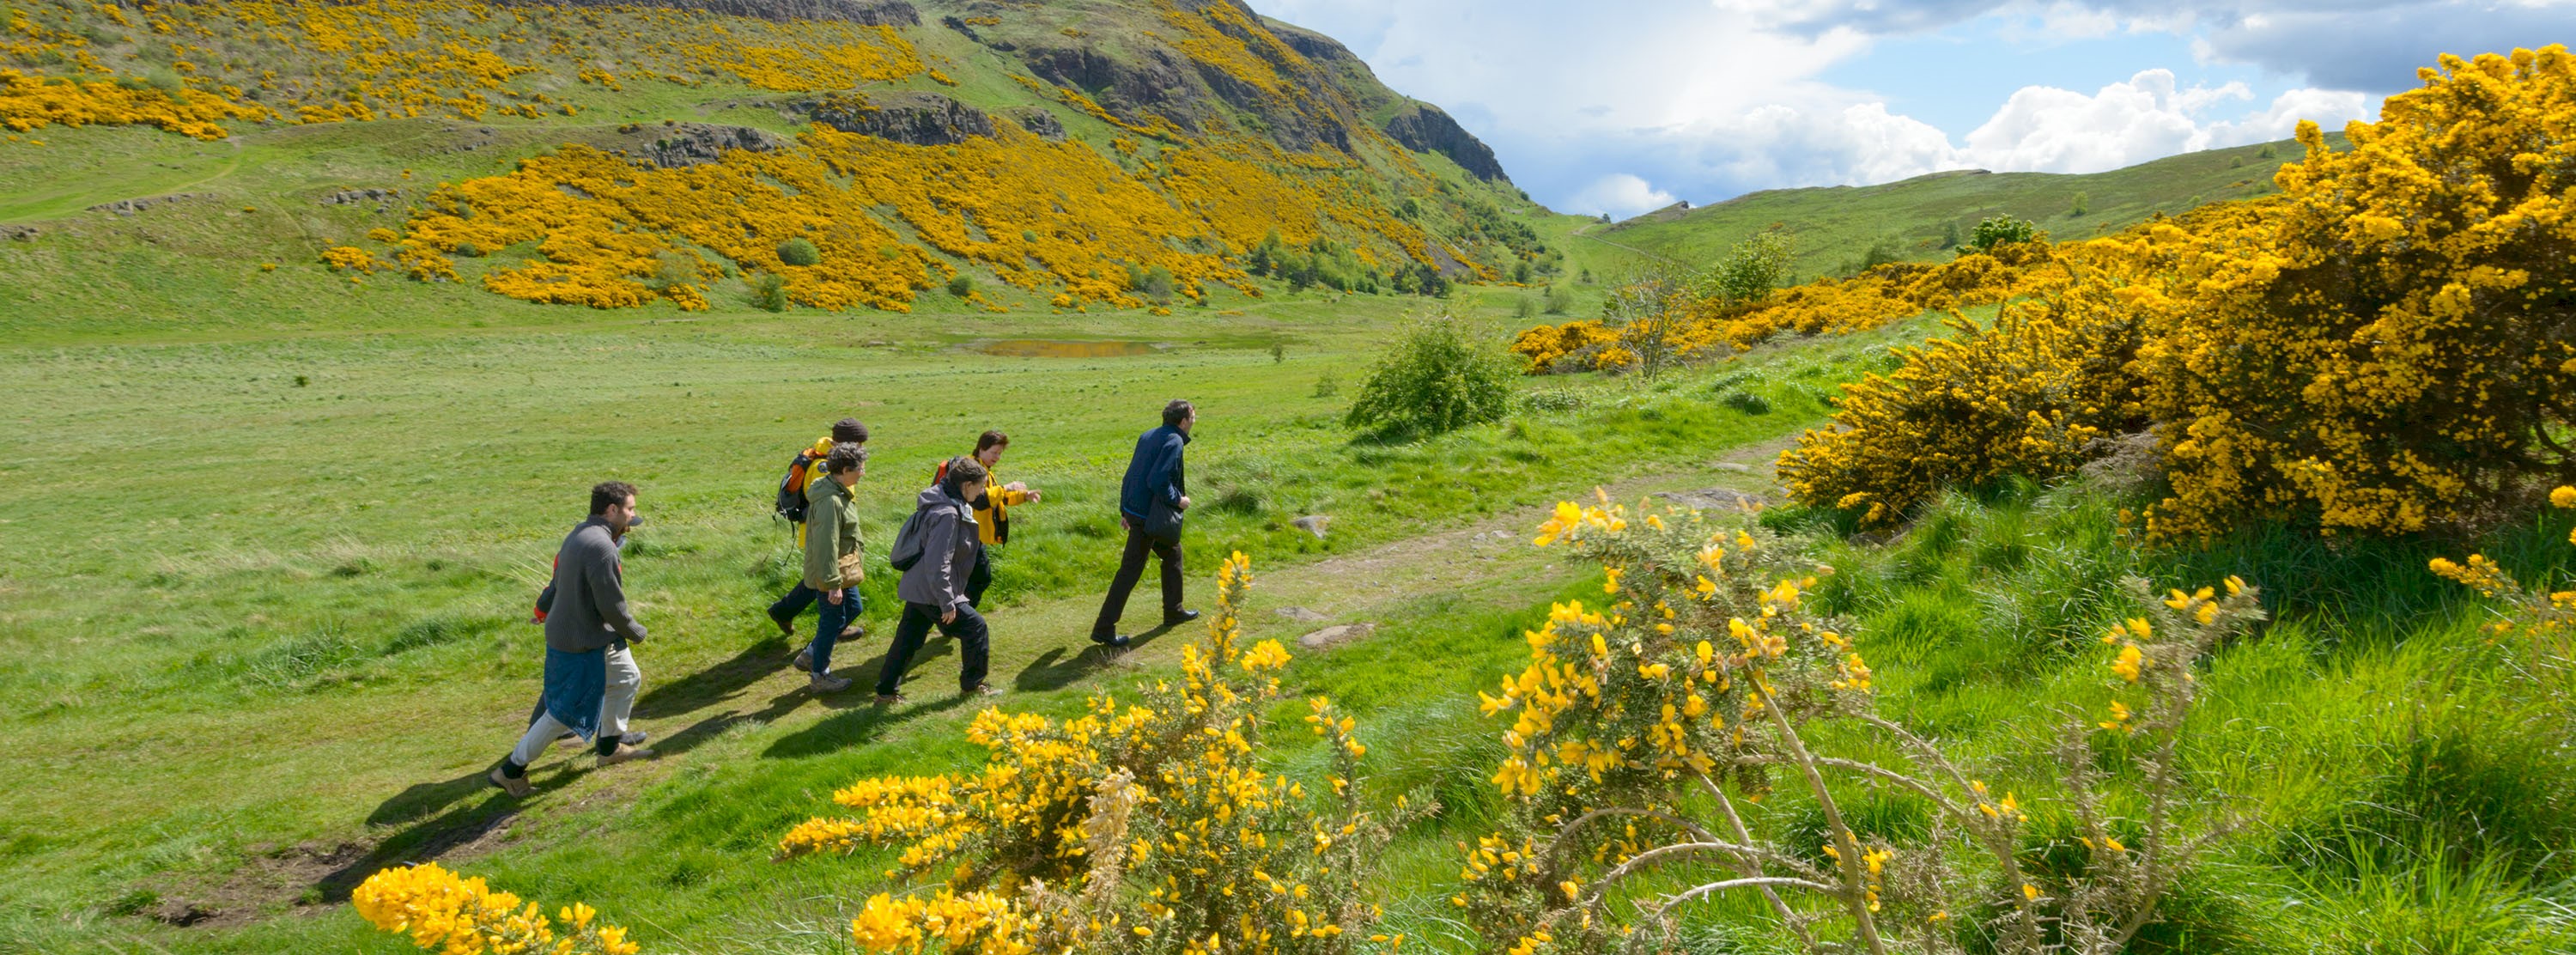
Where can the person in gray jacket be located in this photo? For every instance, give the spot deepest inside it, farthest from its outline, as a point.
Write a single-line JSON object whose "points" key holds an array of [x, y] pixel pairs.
{"points": [[591, 678], [933, 589]]}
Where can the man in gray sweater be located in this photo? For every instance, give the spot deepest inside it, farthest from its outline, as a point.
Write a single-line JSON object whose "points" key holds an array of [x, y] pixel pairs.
{"points": [[591, 678]]}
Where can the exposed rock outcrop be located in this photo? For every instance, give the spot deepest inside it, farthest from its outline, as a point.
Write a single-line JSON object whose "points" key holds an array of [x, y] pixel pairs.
{"points": [[347, 197], [1425, 128], [1037, 119], [692, 144], [921, 119], [127, 207], [865, 12]]}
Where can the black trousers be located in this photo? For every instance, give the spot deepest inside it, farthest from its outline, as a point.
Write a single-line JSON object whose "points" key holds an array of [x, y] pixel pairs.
{"points": [[980, 578], [1131, 568], [974, 645]]}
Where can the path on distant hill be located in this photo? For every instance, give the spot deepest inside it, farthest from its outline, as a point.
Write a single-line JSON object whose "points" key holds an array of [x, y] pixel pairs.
{"points": [[1484, 564]]}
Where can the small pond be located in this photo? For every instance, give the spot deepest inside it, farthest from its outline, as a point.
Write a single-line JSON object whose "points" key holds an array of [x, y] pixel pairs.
{"points": [[1051, 348]]}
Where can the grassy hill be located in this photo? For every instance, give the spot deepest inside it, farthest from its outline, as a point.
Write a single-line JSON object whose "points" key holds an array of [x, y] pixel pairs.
{"points": [[1050, 156], [1833, 229]]}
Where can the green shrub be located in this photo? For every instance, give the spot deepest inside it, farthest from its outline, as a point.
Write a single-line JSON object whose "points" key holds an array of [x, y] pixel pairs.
{"points": [[1746, 401], [1560, 299], [962, 285], [1999, 230], [798, 251], [1749, 272], [769, 291], [1439, 377], [2083, 204]]}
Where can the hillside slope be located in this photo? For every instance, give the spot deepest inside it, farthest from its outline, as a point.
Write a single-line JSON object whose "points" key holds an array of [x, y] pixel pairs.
{"points": [[194, 163], [1833, 228]]}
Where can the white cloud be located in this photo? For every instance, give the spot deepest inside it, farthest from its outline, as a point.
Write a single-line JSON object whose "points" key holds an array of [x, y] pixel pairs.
{"points": [[1626, 105], [1619, 194]]}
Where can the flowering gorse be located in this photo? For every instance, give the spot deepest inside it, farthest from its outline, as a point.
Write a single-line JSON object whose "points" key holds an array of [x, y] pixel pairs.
{"points": [[1148, 827], [2384, 347], [1646, 725], [462, 916]]}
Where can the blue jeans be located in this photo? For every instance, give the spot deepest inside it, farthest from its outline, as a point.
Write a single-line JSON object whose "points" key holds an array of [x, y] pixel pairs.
{"points": [[794, 603], [829, 620]]}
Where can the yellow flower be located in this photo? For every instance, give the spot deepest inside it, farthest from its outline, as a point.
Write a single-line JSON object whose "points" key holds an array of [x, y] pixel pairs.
{"points": [[2131, 659]]}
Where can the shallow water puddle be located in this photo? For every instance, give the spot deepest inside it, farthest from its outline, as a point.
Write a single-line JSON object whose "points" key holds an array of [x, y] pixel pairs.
{"points": [[1052, 348]]}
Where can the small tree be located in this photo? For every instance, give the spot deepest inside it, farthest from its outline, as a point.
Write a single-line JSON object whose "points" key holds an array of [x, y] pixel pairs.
{"points": [[1998, 230], [1439, 376], [2083, 205], [1560, 300], [1648, 310], [1523, 307], [961, 285], [1950, 234], [1157, 285], [799, 251], [769, 291], [1751, 271]]}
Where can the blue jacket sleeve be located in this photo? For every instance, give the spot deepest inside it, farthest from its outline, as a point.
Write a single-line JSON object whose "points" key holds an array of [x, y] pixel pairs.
{"points": [[1163, 480]]}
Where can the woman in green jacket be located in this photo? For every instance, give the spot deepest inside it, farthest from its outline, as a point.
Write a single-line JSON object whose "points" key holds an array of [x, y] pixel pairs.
{"points": [[833, 563]]}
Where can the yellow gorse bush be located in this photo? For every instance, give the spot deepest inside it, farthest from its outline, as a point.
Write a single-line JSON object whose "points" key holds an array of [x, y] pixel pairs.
{"points": [[463, 916], [385, 59], [1645, 727], [1876, 297], [1148, 827], [2386, 346]]}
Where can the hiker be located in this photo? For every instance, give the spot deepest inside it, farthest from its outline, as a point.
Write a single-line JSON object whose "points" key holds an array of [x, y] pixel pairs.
{"points": [[833, 559], [591, 678], [936, 550], [992, 511], [792, 504], [1150, 502]]}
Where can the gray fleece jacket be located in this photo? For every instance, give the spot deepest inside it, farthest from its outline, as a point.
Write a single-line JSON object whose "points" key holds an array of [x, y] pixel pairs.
{"points": [[948, 542], [589, 611]]}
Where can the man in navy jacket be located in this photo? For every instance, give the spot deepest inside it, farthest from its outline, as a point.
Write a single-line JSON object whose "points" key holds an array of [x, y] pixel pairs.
{"points": [[1150, 502]]}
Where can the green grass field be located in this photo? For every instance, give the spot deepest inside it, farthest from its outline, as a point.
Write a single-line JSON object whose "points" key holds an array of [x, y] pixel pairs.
{"points": [[266, 596], [268, 541]]}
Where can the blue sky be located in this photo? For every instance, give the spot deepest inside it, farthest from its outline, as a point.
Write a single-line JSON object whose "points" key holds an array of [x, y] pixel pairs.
{"points": [[1621, 106]]}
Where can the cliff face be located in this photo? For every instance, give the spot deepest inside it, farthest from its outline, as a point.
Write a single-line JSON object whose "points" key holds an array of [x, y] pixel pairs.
{"points": [[1210, 64], [1426, 128]]}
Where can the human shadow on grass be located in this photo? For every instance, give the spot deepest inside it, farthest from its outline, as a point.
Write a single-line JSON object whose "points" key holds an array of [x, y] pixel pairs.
{"points": [[1060, 667], [688, 694], [431, 839], [717, 683]]}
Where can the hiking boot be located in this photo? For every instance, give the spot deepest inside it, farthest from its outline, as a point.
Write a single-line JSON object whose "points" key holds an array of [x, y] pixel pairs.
{"points": [[854, 631], [786, 625], [627, 755], [636, 738], [982, 689], [1177, 619], [805, 659], [827, 683], [890, 699], [518, 787], [1112, 640]]}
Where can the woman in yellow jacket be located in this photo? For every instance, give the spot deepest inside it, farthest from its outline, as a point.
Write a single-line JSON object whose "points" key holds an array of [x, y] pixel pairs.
{"points": [[992, 511]]}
